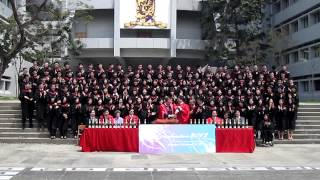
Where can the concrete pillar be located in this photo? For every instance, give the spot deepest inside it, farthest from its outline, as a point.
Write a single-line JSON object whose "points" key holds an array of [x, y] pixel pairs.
{"points": [[116, 38], [173, 30]]}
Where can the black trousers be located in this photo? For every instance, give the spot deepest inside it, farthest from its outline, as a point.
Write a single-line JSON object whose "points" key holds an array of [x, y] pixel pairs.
{"points": [[52, 122], [63, 128], [41, 114], [267, 133], [27, 113]]}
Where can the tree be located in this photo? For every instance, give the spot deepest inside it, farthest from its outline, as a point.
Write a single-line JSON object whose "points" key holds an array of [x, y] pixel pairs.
{"points": [[37, 30], [234, 30]]}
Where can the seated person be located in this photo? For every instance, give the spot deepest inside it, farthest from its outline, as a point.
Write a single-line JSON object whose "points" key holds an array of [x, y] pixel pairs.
{"points": [[93, 120], [118, 119], [214, 119], [131, 119], [106, 118]]}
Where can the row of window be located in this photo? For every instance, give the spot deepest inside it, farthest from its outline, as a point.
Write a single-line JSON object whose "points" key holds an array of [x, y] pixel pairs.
{"points": [[279, 5], [305, 85], [6, 2], [301, 23], [299, 55]]}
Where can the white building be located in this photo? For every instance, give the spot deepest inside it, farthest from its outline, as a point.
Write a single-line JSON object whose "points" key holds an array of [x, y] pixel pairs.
{"points": [[299, 23], [107, 40]]}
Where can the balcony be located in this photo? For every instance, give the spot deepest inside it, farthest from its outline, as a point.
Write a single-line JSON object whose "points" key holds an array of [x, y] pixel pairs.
{"points": [[309, 67], [301, 37], [293, 10], [154, 43], [94, 4], [97, 43]]}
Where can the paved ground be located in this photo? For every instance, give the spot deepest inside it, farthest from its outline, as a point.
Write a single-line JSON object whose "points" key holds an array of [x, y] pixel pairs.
{"points": [[37, 162]]}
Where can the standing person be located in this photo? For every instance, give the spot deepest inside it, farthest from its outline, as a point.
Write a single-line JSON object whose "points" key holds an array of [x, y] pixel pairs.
{"points": [[131, 118], [77, 116], [291, 118], [260, 111], [65, 117], [182, 111], [26, 98], [281, 119], [41, 104], [166, 110], [52, 112]]}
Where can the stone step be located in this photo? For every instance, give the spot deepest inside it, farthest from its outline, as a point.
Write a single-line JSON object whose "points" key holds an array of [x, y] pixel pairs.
{"points": [[298, 141], [304, 131], [10, 111], [10, 115], [17, 125], [25, 134], [308, 127], [308, 117], [17, 140], [308, 113], [309, 109], [10, 108], [308, 122], [20, 130], [306, 136], [309, 105], [12, 120]]}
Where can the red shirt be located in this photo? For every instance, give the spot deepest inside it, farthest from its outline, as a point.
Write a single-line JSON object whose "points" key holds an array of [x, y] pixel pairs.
{"points": [[104, 119], [217, 120], [164, 110], [133, 118], [184, 114]]}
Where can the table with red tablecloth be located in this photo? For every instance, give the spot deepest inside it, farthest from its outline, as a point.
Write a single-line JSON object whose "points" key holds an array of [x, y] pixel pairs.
{"points": [[110, 139], [235, 140]]}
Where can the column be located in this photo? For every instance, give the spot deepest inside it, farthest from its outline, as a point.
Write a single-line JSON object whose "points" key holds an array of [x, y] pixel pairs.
{"points": [[116, 38], [173, 30]]}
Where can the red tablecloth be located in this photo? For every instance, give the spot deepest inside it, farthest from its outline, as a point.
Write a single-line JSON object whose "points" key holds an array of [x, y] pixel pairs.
{"points": [[110, 139], [235, 140]]}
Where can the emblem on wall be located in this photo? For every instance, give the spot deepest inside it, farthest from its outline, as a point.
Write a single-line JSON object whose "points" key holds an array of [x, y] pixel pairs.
{"points": [[145, 15]]}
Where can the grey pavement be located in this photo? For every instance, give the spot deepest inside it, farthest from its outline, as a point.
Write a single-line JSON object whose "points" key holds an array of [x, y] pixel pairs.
{"points": [[43, 161]]}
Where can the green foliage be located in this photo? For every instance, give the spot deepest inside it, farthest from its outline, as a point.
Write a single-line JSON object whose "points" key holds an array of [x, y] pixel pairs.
{"points": [[234, 30], [39, 32]]}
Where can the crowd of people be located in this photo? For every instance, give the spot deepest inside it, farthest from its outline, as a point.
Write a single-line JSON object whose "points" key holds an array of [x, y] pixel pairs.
{"points": [[64, 98]]}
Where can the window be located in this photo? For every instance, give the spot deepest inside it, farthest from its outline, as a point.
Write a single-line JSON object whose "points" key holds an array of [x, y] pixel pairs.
{"points": [[285, 29], [317, 85], [286, 59], [276, 7], [316, 51], [316, 17], [305, 22], [294, 27], [285, 4], [305, 86], [295, 56], [305, 54]]}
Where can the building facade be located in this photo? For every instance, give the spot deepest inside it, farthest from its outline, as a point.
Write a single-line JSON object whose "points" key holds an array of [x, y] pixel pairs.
{"points": [[107, 41], [298, 22]]}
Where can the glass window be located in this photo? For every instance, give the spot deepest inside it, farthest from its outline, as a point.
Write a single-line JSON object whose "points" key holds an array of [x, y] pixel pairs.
{"points": [[294, 27], [305, 86], [286, 58], [316, 51], [316, 17], [305, 22], [295, 56], [317, 85], [285, 4], [305, 54]]}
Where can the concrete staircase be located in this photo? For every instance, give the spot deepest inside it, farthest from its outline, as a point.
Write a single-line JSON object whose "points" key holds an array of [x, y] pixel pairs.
{"points": [[307, 125], [11, 127]]}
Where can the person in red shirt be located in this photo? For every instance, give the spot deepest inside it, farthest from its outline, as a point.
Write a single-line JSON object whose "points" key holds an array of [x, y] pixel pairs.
{"points": [[131, 118], [106, 118], [182, 111], [167, 109], [214, 119]]}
